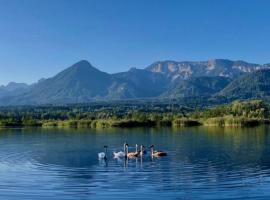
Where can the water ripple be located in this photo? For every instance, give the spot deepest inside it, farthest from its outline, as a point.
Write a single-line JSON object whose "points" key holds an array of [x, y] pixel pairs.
{"points": [[66, 167]]}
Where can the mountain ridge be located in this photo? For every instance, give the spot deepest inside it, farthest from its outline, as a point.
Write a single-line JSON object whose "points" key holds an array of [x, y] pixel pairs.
{"points": [[212, 67], [82, 82], [253, 85]]}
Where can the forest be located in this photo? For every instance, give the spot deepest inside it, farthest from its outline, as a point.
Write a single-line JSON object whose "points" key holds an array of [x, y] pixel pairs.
{"points": [[130, 114]]}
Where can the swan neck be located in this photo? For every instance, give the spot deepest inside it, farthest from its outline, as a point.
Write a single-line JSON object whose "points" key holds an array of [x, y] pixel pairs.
{"points": [[105, 149]]}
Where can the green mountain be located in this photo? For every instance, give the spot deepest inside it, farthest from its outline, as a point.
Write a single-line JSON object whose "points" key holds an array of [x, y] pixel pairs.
{"points": [[196, 87], [79, 83], [252, 85], [83, 83], [137, 83]]}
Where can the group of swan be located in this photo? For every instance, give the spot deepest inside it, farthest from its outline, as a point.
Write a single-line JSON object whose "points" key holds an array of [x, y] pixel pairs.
{"points": [[126, 154]]}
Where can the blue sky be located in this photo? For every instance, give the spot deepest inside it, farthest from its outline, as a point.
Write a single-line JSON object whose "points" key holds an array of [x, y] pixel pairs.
{"points": [[40, 38]]}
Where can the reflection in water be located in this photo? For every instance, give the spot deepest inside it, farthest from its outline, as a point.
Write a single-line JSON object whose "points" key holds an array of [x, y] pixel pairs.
{"points": [[202, 163]]}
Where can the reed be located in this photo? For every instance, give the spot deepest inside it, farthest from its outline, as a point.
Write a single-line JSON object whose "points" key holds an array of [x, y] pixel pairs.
{"points": [[232, 121], [186, 122]]}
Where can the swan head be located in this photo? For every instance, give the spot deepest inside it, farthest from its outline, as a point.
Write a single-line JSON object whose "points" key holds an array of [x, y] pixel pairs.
{"points": [[126, 149], [105, 149]]}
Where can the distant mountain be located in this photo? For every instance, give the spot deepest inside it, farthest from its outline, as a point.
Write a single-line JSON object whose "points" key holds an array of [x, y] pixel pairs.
{"points": [[83, 83], [216, 67], [252, 85], [12, 86], [196, 87], [13, 89], [137, 83], [79, 83]]}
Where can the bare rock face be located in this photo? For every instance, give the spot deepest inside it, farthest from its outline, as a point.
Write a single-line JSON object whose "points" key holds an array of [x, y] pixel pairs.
{"points": [[215, 67]]}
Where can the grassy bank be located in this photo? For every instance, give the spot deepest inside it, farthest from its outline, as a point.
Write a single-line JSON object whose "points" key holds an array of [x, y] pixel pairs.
{"points": [[240, 114], [232, 121], [178, 122], [100, 123]]}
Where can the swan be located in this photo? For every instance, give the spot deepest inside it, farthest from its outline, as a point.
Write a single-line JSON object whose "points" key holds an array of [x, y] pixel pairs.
{"points": [[103, 155], [131, 154], [120, 154], [142, 151], [157, 153]]}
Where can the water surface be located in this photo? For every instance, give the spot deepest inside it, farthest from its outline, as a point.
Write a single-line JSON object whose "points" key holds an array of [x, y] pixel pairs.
{"points": [[202, 163]]}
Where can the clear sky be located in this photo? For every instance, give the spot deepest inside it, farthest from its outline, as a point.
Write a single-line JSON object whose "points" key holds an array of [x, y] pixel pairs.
{"points": [[40, 38]]}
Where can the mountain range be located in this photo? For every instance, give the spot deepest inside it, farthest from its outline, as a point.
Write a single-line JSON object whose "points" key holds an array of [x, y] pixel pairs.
{"points": [[81, 83], [13, 89]]}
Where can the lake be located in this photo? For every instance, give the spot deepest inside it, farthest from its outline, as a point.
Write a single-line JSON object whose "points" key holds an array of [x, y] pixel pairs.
{"points": [[202, 163]]}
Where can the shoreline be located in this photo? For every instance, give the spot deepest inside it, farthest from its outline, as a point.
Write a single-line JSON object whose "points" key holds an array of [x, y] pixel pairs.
{"points": [[236, 114], [178, 122]]}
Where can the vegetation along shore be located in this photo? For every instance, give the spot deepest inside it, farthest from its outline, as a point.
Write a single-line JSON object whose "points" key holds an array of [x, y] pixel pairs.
{"points": [[238, 113]]}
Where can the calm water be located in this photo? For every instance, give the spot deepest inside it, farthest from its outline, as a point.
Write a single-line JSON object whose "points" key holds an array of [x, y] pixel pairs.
{"points": [[202, 163]]}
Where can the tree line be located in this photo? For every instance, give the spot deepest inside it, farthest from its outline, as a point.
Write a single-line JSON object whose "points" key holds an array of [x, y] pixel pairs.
{"points": [[238, 113]]}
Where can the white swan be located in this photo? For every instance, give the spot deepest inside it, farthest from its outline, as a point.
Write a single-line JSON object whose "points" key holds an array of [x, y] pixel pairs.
{"points": [[120, 154], [103, 155]]}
